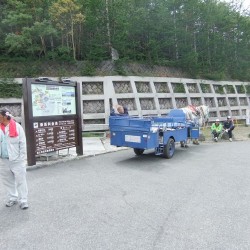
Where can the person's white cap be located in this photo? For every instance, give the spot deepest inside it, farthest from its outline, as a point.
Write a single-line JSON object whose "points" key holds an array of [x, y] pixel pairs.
{"points": [[229, 117], [217, 120]]}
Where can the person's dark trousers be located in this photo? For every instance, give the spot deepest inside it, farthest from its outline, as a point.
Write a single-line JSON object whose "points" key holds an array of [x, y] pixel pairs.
{"points": [[215, 133], [230, 134]]}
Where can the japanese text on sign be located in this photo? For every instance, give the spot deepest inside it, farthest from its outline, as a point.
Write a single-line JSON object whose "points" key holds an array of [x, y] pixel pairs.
{"points": [[54, 135]]}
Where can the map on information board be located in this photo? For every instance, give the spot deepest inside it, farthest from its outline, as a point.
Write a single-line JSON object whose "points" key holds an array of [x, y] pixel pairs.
{"points": [[50, 100]]}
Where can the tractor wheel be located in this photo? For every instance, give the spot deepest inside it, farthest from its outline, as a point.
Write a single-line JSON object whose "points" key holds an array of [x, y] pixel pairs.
{"points": [[169, 149], [138, 151]]}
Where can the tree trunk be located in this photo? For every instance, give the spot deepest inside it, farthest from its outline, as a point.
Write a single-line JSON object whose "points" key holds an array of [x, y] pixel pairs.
{"points": [[108, 29], [72, 38], [43, 46], [175, 37]]}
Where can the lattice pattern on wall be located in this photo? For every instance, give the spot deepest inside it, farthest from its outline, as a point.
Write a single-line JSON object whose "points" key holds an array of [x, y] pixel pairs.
{"points": [[196, 101], [192, 88], [92, 88], [213, 114], [209, 102], [222, 102], [127, 102], [224, 113], [161, 87], [243, 101], [143, 87], [165, 103], [240, 89], [122, 87], [94, 121], [219, 89], [235, 112], [15, 109], [230, 89], [147, 103], [178, 87], [181, 102], [244, 112], [232, 101], [93, 106], [205, 88]]}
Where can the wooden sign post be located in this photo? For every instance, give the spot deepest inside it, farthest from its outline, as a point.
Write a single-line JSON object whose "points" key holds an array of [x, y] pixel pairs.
{"points": [[52, 113]]}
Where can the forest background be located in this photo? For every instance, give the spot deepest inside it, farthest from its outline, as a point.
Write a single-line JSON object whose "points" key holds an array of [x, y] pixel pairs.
{"points": [[207, 39]]}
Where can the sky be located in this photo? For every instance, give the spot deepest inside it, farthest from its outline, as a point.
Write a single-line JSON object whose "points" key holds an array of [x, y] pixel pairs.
{"points": [[246, 3]]}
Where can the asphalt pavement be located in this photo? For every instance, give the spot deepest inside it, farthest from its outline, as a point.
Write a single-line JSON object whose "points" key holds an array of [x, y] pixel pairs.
{"points": [[92, 146], [199, 199]]}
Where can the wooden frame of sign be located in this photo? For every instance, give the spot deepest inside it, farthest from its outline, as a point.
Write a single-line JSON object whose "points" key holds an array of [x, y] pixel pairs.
{"points": [[52, 115]]}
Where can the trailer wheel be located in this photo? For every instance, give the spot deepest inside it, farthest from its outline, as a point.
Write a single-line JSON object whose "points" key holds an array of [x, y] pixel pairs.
{"points": [[169, 149], [138, 151]]}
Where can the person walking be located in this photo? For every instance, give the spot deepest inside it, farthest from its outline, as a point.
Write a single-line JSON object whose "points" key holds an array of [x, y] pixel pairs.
{"points": [[229, 127], [13, 160], [216, 129]]}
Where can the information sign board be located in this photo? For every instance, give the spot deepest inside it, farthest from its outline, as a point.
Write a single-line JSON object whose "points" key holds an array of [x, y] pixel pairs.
{"points": [[48, 100], [52, 117], [52, 136]]}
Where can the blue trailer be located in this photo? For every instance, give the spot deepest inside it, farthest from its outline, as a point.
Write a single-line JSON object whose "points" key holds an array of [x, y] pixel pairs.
{"points": [[158, 133]]}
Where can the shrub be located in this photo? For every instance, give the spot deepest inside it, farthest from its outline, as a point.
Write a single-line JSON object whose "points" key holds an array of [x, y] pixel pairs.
{"points": [[9, 88], [88, 69], [248, 89], [205, 88]]}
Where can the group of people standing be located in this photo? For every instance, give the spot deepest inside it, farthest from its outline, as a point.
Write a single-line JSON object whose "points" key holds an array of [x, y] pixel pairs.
{"points": [[218, 128]]}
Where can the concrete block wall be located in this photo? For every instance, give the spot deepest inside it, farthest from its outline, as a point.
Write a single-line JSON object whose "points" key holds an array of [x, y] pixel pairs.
{"points": [[157, 95], [152, 96]]}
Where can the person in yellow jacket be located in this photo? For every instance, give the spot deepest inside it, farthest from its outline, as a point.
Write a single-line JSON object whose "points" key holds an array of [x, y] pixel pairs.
{"points": [[216, 129]]}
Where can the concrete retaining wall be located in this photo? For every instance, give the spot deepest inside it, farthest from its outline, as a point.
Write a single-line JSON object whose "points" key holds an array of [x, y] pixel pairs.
{"points": [[152, 96]]}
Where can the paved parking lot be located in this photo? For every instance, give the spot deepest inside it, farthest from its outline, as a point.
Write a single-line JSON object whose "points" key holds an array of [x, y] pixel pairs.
{"points": [[199, 199]]}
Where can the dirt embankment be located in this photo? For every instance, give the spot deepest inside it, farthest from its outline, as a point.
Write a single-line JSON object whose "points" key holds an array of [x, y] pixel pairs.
{"points": [[83, 68]]}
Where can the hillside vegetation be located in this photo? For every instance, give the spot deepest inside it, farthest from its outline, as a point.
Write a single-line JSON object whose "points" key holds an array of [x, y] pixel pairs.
{"points": [[201, 39], [68, 69]]}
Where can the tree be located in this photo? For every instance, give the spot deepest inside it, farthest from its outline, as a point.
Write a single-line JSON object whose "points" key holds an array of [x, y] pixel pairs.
{"points": [[66, 16], [26, 37]]}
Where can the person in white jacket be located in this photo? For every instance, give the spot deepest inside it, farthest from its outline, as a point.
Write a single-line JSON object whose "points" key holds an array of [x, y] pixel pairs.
{"points": [[13, 160]]}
